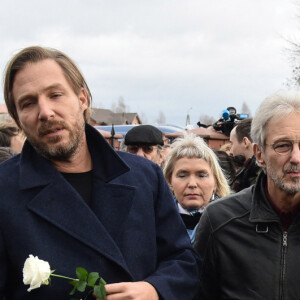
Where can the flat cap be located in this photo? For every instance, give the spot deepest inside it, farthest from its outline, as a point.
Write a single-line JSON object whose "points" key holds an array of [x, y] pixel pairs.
{"points": [[144, 134]]}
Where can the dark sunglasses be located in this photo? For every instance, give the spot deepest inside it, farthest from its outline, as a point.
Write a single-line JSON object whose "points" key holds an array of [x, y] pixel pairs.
{"points": [[145, 148]]}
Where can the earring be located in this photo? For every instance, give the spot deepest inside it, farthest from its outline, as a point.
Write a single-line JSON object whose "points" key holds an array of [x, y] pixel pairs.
{"points": [[213, 196]]}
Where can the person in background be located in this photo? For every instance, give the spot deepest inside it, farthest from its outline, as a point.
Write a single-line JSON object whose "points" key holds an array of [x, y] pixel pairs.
{"points": [[165, 139], [72, 200], [241, 145], [146, 141], [6, 153], [122, 146], [195, 178], [11, 136], [249, 241], [165, 152], [226, 148], [227, 164]]}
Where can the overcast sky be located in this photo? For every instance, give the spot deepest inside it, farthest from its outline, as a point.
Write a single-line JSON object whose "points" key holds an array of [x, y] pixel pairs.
{"points": [[174, 56]]}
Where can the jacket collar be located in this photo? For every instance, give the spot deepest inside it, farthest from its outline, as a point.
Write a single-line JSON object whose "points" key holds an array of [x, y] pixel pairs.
{"points": [[261, 208], [42, 170]]}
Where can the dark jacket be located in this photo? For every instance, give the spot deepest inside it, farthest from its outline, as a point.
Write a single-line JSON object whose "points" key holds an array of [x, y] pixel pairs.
{"points": [[246, 255], [131, 232], [246, 176], [191, 221]]}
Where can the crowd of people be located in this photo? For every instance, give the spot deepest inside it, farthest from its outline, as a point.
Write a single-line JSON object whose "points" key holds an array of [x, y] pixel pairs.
{"points": [[157, 220]]}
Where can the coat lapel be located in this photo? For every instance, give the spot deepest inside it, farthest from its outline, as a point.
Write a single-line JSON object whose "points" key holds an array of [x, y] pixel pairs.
{"points": [[112, 203], [60, 205]]}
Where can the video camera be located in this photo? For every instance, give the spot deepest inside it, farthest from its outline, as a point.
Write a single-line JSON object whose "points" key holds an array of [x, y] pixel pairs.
{"points": [[228, 120]]}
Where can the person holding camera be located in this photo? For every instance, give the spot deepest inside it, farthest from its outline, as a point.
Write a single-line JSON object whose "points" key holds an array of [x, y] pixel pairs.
{"points": [[249, 241]]}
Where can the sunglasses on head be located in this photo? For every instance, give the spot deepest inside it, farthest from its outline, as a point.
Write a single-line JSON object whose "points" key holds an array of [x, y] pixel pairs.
{"points": [[145, 148]]}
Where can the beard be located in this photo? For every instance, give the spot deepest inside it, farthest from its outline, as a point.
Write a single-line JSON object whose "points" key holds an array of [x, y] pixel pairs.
{"points": [[292, 187], [54, 149]]}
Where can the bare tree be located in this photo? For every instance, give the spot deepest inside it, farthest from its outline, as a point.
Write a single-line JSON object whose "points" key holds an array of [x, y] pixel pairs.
{"points": [[245, 109], [143, 118], [294, 80], [161, 118], [293, 54], [207, 120], [121, 107]]}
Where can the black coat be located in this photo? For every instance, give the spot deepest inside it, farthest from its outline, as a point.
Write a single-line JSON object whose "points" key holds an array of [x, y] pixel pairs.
{"points": [[246, 254], [246, 176], [131, 232]]}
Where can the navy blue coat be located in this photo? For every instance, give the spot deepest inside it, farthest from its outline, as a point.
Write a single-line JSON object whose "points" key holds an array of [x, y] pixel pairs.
{"points": [[131, 232]]}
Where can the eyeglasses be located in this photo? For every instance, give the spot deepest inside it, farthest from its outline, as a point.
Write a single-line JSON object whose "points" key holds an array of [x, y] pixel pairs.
{"points": [[145, 148], [284, 147]]}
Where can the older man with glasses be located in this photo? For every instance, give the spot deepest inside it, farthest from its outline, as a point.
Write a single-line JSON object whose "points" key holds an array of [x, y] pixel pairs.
{"points": [[250, 241], [145, 141]]}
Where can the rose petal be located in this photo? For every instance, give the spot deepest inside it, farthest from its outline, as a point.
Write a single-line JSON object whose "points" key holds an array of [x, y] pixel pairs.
{"points": [[35, 272]]}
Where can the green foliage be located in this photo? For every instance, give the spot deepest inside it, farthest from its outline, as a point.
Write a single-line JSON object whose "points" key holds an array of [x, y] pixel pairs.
{"points": [[92, 278], [81, 273], [99, 291], [88, 279]]}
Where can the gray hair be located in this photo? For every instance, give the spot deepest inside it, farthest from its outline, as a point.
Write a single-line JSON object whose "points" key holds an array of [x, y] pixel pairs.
{"points": [[122, 146], [193, 146], [278, 105], [6, 153]]}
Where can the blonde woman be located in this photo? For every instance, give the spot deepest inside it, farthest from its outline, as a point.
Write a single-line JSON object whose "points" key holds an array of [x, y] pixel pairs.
{"points": [[195, 178]]}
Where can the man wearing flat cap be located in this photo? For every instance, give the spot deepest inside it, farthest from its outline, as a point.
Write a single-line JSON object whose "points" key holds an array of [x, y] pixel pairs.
{"points": [[145, 141]]}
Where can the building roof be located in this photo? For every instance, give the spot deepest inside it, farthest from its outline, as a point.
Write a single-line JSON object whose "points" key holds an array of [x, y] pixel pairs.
{"points": [[107, 117], [3, 109], [214, 139]]}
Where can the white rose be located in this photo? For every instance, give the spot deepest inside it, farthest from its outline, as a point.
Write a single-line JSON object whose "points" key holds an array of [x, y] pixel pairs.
{"points": [[36, 272]]}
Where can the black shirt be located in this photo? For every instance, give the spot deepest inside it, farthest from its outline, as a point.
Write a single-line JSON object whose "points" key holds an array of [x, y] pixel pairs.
{"points": [[82, 183]]}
